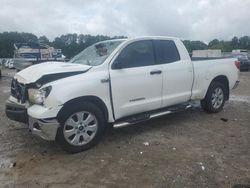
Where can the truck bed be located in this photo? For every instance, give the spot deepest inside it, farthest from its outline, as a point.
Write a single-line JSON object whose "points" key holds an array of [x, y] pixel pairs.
{"points": [[205, 69], [208, 58]]}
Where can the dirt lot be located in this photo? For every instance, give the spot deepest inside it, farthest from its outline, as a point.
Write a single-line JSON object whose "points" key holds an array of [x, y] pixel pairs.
{"points": [[186, 149]]}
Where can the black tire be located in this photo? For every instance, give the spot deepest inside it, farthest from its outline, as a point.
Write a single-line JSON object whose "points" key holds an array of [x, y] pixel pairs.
{"points": [[72, 109], [207, 104]]}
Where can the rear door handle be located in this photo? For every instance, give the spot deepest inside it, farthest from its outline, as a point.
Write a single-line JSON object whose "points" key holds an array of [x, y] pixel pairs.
{"points": [[155, 72]]}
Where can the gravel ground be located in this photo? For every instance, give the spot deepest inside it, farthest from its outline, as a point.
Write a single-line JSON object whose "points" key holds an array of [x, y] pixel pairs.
{"points": [[186, 149]]}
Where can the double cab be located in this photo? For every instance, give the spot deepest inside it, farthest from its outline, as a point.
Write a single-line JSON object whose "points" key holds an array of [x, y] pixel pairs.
{"points": [[119, 82]]}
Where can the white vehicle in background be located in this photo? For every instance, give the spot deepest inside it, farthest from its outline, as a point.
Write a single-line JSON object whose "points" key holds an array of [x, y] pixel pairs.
{"points": [[206, 53], [240, 52], [122, 82], [6, 63], [1, 65], [11, 64]]}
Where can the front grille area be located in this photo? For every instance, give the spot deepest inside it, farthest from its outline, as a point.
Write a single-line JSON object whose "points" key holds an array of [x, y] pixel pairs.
{"points": [[19, 91]]}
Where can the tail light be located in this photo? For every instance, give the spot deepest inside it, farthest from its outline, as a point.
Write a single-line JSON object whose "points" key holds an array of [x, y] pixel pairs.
{"points": [[237, 64]]}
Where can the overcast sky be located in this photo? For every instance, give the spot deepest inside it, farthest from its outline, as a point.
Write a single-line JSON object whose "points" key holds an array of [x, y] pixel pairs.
{"points": [[188, 19]]}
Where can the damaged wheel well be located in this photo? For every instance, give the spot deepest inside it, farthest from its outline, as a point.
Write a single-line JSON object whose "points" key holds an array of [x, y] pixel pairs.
{"points": [[77, 101]]}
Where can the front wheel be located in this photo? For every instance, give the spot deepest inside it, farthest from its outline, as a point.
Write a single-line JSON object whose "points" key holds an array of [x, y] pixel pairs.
{"points": [[215, 98], [81, 127]]}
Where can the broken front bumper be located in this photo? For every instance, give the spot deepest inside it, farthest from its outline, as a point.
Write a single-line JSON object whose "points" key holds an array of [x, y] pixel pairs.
{"points": [[44, 128], [35, 117], [16, 112]]}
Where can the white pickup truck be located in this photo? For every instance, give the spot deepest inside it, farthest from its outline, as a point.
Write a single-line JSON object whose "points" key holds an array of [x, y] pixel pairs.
{"points": [[117, 81]]}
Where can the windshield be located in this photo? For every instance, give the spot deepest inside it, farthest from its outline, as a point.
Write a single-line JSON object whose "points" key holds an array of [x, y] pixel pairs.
{"points": [[96, 54]]}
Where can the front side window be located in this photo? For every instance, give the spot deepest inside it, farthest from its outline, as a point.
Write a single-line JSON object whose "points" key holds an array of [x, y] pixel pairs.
{"points": [[96, 54], [166, 51], [137, 54]]}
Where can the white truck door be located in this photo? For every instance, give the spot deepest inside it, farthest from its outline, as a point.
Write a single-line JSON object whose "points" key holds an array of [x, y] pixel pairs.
{"points": [[136, 81], [177, 73]]}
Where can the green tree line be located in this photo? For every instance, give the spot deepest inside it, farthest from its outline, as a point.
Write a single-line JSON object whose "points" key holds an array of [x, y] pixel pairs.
{"points": [[71, 44], [224, 46]]}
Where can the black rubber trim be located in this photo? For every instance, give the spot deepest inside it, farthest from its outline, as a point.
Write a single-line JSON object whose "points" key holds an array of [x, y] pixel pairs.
{"points": [[155, 72], [16, 112], [145, 115], [57, 76]]}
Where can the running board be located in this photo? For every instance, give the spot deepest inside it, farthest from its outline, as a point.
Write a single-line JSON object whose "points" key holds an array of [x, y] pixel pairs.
{"points": [[147, 116]]}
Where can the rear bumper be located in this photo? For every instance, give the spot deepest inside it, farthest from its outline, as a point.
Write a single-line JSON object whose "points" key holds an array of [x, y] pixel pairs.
{"points": [[236, 84], [16, 112]]}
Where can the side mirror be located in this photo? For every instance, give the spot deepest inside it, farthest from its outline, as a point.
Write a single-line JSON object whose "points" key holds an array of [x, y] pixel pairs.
{"points": [[117, 65]]}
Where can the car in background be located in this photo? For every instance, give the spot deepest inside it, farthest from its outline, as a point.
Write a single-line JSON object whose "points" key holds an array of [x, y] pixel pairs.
{"points": [[6, 62], [244, 62], [1, 63], [11, 64]]}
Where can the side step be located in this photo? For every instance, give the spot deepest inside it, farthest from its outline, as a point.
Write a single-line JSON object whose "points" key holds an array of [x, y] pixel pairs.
{"points": [[150, 115]]}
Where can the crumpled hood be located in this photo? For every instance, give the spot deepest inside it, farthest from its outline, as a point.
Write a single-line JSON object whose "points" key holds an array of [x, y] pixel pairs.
{"points": [[36, 72]]}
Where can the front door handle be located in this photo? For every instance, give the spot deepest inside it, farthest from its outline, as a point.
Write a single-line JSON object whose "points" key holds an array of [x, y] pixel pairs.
{"points": [[155, 72]]}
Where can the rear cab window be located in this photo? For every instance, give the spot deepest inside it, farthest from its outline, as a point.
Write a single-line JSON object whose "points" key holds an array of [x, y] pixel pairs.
{"points": [[166, 51]]}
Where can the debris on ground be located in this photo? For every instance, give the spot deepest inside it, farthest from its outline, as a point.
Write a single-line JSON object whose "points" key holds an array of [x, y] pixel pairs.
{"points": [[202, 166], [146, 143], [199, 138], [12, 165], [224, 119], [6, 163], [157, 143]]}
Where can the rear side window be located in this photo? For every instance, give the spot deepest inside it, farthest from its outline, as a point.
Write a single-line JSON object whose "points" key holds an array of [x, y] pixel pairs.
{"points": [[137, 54], [166, 51]]}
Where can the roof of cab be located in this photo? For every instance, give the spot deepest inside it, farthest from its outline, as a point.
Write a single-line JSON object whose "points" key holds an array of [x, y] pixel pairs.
{"points": [[142, 38]]}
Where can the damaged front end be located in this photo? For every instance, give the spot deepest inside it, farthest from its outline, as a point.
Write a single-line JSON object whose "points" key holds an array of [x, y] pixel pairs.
{"points": [[15, 106], [25, 104], [20, 90]]}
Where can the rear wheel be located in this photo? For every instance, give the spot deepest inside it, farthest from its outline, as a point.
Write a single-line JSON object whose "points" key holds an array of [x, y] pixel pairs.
{"points": [[81, 127], [215, 98]]}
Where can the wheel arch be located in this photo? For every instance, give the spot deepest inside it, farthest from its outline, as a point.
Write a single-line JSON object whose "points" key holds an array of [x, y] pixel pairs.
{"points": [[76, 101]]}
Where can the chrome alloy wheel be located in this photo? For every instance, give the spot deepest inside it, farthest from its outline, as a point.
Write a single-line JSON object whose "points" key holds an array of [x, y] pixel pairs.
{"points": [[217, 98], [80, 128]]}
